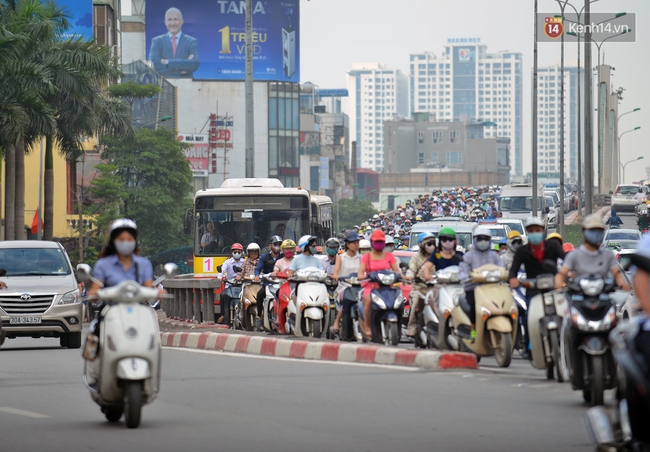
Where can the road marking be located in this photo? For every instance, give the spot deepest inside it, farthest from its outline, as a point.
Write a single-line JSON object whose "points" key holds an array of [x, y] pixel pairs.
{"points": [[6, 409], [293, 360]]}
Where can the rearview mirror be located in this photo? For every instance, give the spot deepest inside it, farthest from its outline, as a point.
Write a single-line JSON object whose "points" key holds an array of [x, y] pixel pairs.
{"points": [[84, 272], [170, 270]]}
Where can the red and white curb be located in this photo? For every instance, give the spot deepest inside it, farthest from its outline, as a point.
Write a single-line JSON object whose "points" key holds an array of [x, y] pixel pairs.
{"points": [[190, 324], [323, 351]]}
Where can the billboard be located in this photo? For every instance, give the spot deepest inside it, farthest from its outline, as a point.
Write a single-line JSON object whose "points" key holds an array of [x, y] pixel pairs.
{"points": [[80, 16], [206, 39], [198, 154]]}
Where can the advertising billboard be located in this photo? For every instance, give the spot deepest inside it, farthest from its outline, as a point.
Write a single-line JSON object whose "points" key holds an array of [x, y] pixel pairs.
{"points": [[80, 16], [198, 154], [206, 39]]}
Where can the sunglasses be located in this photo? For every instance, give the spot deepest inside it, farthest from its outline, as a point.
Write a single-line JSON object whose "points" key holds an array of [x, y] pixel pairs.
{"points": [[482, 239], [276, 244], [517, 242], [446, 239]]}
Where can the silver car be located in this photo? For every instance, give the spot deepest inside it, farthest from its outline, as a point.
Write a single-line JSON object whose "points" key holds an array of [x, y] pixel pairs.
{"points": [[42, 297], [623, 197]]}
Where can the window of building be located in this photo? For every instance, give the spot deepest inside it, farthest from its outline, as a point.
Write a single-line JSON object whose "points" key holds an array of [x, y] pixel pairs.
{"points": [[434, 157], [420, 137], [420, 158], [437, 136], [453, 137], [454, 158]]}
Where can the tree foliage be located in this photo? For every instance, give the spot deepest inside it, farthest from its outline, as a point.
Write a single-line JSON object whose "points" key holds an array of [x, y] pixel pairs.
{"points": [[354, 212], [131, 91], [148, 179]]}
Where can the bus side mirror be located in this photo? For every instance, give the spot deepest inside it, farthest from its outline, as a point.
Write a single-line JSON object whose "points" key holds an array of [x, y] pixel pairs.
{"points": [[187, 222]]}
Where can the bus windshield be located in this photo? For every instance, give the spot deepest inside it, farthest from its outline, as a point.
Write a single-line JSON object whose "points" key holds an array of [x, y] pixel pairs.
{"points": [[222, 221], [516, 204]]}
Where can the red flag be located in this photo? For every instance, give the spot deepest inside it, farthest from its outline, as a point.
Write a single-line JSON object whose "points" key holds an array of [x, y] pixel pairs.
{"points": [[35, 223]]}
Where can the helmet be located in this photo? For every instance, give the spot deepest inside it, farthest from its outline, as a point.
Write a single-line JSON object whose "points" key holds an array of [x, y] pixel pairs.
{"points": [[481, 231], [252, 247], [447, 232], [378, 236], [503, 241], [568, 247], [276, 239], [123, 223], [364, 243], [418, 218], [555, 235], [534, 221], [288, 244], [513, 234], [375, 217], [304, 240], [332, 242], [237, 246], [352, 236], [426, 237], [389, 239], [593, 222]]}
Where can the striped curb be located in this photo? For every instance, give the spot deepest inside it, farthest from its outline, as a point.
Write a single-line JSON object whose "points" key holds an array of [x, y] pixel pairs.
{"points": [[190, 324], [321, 351]]}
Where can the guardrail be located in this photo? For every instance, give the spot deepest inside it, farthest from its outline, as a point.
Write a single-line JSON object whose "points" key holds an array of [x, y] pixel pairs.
{"points": [[194, 298], [602, 199]]}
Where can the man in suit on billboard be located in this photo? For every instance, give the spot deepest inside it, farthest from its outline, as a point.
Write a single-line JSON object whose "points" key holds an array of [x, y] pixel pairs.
{"points": [[174, 54]]}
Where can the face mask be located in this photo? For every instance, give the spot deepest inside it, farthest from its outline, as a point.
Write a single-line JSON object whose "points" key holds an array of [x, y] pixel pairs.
{"points": [[332, 251], [237, 256], [378, 246], [536, 238], [483, 245], [448, 246], [502, 252], [289, 254], [275, 249], [594, 236], [312, 250], [389, 248], [125, 247]]}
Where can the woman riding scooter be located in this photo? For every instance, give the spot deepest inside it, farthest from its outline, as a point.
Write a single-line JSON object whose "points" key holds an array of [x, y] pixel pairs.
{"points": [[427, 246], [346, 265]]}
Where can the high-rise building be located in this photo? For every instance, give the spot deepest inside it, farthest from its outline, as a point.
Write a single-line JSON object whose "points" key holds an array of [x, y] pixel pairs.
{"points": [[466, 83], [376, 94], [549, 117]]}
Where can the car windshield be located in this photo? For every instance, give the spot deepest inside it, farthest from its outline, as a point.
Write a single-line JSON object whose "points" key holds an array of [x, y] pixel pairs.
{"points": [[617, 235], [498, 232], [34, 261], [627, 190], [516, 226], [516, 203]]}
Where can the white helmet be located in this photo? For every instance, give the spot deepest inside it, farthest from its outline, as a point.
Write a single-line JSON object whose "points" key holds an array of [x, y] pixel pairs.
{"points": [[481, 231], [252, 247], [364, 243], [389, 239], [304, 241], [534, 221]]}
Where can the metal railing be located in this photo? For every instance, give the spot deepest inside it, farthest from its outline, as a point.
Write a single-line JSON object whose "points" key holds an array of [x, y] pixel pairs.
{"points": [[193, 298]]}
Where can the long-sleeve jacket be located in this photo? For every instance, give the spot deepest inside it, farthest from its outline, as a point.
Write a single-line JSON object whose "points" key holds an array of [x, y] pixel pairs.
{"points": [[474, 259]]}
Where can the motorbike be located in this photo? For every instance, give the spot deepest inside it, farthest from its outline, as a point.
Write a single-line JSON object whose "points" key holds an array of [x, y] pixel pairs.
{"points": [[386, 308], [307, 311], [545, 313], [234, 291], [334, 305], [496, 317], [433, 322], [270, 302], [122, 353], [519, 295], [586, 358], [350, 327], [246, 309], [617, 433]]}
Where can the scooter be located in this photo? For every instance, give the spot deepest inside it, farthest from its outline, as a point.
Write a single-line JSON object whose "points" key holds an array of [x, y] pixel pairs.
{"points": [[496, 317], [350, 327], [122, 353], [334, 305], [246, 310], [234, 291], [586, 358], [307, 311], [270, 303], [387, 303], [434, 321], [545, 315]]}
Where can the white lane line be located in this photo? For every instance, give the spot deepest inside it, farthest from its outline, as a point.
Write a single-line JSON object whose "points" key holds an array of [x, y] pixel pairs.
{"points": [[6, 409], [293, 360]]}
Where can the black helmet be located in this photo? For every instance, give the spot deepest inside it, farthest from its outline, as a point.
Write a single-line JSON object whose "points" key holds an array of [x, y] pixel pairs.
{"points": [[276, 239]]}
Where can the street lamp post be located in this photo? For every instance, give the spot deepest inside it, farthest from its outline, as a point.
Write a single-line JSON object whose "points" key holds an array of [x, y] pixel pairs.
{"points": [[163, 119], [618, 169], [633, 160], [619, 153]]}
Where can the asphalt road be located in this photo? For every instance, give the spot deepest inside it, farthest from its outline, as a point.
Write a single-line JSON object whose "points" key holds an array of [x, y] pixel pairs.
{"points": [[216, 401]]}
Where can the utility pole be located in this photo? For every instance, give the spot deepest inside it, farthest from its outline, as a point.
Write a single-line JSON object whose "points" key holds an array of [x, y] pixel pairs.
{"points": [[353, 170], [562, 193], [535, 115], [80, 207], [589, 150], [250, 105]]}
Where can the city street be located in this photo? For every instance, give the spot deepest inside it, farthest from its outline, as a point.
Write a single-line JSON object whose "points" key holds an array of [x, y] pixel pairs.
{"points": [[212, 401]]}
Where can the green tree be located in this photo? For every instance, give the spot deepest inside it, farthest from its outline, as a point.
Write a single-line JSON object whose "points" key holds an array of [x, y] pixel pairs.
{"points": [[353, 212], [131, 91], [148, 179]]}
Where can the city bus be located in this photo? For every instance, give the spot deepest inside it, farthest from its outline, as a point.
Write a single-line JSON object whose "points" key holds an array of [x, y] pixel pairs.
{"points": [[321, 218], [244, 211]]}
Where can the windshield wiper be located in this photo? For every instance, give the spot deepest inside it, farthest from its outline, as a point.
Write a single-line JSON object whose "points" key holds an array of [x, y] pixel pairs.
{"points": [[35, 274]]}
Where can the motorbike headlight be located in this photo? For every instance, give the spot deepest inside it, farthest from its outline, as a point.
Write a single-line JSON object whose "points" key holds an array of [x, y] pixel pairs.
{"points": [[607, 322], [71, 297], [592, 287], [442, 277], [387, 279], [545, 283], [313, 276], [578, 320], [130, 292], [378, 301], [492, 276]]}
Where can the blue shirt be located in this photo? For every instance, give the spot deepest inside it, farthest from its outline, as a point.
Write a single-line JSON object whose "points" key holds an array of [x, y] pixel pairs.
{"points": [[111, 272], [303, 261]]}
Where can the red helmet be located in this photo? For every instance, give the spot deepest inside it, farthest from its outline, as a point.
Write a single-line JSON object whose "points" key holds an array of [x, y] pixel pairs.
{"points": [[568, 247], [237, 246], [378, 236]]}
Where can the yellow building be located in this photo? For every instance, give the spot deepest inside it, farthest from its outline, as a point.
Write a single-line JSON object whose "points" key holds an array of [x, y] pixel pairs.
{"points": [[65, 185]]}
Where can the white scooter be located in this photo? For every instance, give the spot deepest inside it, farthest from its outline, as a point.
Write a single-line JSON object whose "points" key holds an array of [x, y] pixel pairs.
{"points": [[433, 329], [309, 304], [122, 362]]}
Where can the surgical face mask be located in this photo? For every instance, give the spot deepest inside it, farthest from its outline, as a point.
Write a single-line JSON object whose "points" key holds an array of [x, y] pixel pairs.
{"points": [[447, 245], [429, 247], [594, 236], [332, 251], [502, 252], [390, 247], [125, 247], [378, 246], [313, 250], [536, 237], [237, 256], [483, 245], [289, 254]]}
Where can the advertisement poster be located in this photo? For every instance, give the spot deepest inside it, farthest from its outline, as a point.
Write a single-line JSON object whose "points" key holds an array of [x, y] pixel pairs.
{"points": [[80, 16], [206, 39], [197, 155]]}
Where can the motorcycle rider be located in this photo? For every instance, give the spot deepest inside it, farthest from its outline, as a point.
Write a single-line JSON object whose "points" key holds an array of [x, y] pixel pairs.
{"points": [[426, 245], [445, 256], [248, 268], [364, 246], [479, 255], [332, 248], [288, 252], [265, 266], [590, 258], [346, 264], [533, 257], [307, 259], [514, 242], [228, 272], [614, 221]]}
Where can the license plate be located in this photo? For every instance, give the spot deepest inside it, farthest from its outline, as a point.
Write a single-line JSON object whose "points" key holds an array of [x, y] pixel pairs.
{"points": [[24, 320], [407, 312]]}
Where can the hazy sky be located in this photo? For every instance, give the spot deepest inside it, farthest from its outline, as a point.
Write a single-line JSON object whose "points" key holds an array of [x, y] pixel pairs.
{"points": [[337, 33]]}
